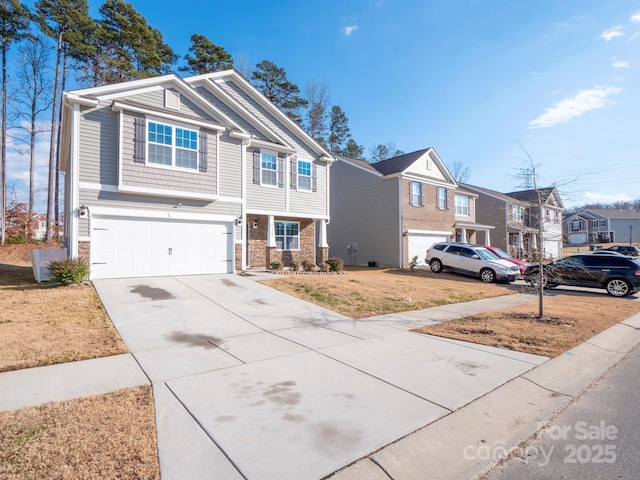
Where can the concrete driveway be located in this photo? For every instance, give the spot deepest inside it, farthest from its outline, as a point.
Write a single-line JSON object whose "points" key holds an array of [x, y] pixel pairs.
{"points": [[252, 383]]}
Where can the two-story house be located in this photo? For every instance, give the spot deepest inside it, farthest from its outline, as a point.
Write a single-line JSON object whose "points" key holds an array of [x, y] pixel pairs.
{"points": [[170, 176], [390, 211], [602, 225], [516, 217]]}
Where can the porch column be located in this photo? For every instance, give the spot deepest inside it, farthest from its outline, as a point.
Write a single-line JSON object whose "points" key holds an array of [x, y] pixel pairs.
{"points": [[271, 232], [487, 237], [464, 235], [323, 248], [534, 241]]}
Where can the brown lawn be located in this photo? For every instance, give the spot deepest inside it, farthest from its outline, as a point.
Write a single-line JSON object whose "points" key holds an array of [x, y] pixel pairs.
{"points": [[104, 436], [42, 325], [366, 292], [570, 319]]}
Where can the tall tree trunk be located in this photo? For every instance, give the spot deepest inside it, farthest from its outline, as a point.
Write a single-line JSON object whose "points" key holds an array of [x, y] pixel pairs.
{"points": [[3, 154], [52, 144], [58, 140]]}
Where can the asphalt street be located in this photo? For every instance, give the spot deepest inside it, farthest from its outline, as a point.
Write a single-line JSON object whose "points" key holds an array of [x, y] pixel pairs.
{"points": [[597, 436]]}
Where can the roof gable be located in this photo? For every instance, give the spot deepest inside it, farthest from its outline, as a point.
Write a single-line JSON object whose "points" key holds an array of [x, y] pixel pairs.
{"points": [[422, 163], [548, 196]]}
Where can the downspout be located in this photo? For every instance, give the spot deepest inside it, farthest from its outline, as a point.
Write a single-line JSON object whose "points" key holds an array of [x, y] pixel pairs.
{"points": [[243, 204], [400, 225], [74, 182]]}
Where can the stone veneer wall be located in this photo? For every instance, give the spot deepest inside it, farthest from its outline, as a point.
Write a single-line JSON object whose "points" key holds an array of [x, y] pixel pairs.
{"points": [[261, 256]]}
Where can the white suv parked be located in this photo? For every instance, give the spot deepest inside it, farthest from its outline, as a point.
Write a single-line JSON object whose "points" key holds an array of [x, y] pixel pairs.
{"points": [[470, 260]]}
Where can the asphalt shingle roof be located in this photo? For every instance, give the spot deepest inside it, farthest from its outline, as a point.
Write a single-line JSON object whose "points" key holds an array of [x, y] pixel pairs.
{"points": [[398, 164]]}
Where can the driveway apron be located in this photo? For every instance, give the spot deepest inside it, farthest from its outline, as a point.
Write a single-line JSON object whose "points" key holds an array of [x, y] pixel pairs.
{"points": [[252, 383]]}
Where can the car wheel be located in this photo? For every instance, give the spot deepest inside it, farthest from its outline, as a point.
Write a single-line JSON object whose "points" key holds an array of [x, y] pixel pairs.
{"points": [[487, 275], [618, 287], [436, 265], [534, 279]]}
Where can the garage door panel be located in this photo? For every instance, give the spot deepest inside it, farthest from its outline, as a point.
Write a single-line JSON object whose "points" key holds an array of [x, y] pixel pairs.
{"points": [[132, 247], [420, 242]]}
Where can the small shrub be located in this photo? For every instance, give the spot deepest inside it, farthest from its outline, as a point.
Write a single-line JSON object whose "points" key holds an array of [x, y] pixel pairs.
{"points": [[295, 266], [413, 262], [69, 270], [335, 264], [276, 266], [324, 267], [308, 265]]}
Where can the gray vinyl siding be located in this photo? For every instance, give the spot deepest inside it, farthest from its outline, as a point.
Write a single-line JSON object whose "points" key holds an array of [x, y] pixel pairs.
{"points": [[364, 210], [98, 146], [137, 174], [155, 99], [305, 202], [220, 105], [492, 211], [265, 117], [230, 166]]}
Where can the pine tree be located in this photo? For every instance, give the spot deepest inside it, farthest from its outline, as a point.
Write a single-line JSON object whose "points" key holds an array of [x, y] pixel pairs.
{"points": [[272, 81], [352, 150], [207, 57], [14, 25], [338, 130], [318, 100]]}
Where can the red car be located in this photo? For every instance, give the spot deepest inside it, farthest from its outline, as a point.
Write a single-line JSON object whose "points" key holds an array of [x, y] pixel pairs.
{"points": [[522, 265]]}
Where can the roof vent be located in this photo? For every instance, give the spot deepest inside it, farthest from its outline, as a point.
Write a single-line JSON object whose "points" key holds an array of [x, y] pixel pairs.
{"points": [[172, 99]]}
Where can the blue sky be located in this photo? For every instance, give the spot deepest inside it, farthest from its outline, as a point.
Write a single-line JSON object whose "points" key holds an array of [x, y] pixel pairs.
{"points": [[476, 80]]}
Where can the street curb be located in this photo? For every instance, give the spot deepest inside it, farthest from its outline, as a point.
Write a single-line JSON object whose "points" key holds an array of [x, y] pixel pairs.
{"points": [[471, 440]]}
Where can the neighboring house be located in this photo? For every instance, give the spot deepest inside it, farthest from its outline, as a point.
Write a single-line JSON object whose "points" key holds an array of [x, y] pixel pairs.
{"points": [[516, 218], [39, 226], [602, 225], [390, 211], [171, 176]]}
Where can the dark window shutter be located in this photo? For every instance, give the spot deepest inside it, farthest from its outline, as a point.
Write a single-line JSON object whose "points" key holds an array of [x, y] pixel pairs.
{"points": [[202, 166], [281, 159], [314, 178], [139, 139], [422, 202], [256, 167], [294, 172]]}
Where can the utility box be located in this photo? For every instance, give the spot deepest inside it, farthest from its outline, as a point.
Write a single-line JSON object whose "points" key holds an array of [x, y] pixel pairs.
{"points": [[40, 259]]}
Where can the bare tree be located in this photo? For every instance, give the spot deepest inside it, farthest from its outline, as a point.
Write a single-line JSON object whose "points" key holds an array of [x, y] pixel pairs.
{"points": [[318, 97], [32, 99], [242, 66], [460, 172]]}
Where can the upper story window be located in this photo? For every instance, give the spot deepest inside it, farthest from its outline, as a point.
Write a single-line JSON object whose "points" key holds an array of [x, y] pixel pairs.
{"points": [[594, 223], [557, 219], [304, 175], [287, 235], [416, 196], [172, 146], [576, 225], [603, 223], [462, 205], [441, 199], [269, 168], [517, 214]]}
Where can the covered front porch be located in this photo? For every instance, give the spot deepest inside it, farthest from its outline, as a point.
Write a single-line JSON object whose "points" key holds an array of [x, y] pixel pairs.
{"points": [[471, 232], [523, 243]]}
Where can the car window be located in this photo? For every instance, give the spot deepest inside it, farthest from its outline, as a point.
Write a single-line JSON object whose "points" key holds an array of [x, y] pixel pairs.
{"points": [[571, 262], [466, 252], [600, 260], [454, 250], [486, 254], [440, 246]]}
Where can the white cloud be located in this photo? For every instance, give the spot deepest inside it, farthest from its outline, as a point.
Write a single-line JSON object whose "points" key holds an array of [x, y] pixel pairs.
{"points": [[633, 37], [620, 64], [635, 17], [611, 32], [570, 108], [348, 30], [562, 24]]}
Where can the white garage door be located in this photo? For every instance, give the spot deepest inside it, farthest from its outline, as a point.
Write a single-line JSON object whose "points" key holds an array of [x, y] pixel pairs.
{"points": [[420, 242], [145, 247]]}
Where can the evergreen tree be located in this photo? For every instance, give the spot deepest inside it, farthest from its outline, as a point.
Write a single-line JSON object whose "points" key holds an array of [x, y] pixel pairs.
{"points": [[382, 152], [14, 25], [207, 57], [126, 47], [338, 130], [272, 81], [67, 22], [352, 150]]}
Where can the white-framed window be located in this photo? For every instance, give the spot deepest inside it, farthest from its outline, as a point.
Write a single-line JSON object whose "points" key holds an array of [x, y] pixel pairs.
{"points": [[415, 194], [304, 175], [594, 223], [603, 223], [576, 225], [268, 168], [172, 146], [441, 198], [287, 235], [517, 213], [462, 205], [557, 219]]}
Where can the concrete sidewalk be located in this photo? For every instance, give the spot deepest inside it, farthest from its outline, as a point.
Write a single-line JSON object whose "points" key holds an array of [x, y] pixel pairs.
{"points": [[251, 383]]}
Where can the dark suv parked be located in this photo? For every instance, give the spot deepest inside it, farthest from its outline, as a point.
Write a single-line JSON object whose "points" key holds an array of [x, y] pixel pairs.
{"points": [[619, 275], [625, 249]]}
